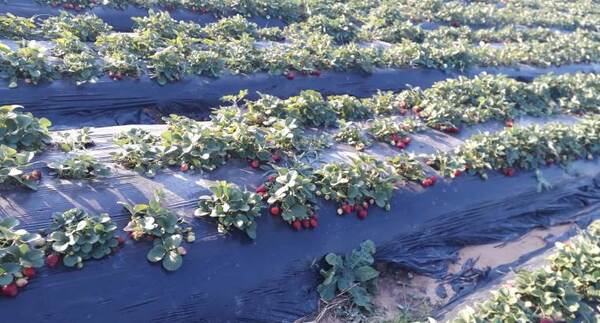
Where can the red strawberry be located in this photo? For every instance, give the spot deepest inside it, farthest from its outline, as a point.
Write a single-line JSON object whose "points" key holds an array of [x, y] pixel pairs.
{"points": [[314, 223], [10, 290], [316, 73], [362, 214], [306, 223], [546, 320], [36, 174], [433, 179], [402, 105], [276, 157], [261, 189], [120, 241], [347, 209], [365, 205], [509, 123], [296, 225], [400, 145], [406, 140], [290, 75], [549, 161], [184, 167], [457, 173], [426, 182], [509, 171], [275, 211], [52, 260], [29, 272], [451, 130], [271, 179], [255, 164]]}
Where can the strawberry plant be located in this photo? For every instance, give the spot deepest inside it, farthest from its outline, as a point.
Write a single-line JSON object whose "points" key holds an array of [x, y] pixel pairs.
{"points": [[164, 227], [408, 167], [311, 109], [350, 276], [78, 236], [231, 207], [342, 28], [82, 67], [230, 27], [193, 143], [206, 63], [17, 28], [74, 140], [86, 26], [352, 134], [349, 107], [82, 166], [20, 254], [167, 65], [139, 151], [12, 164], [28, 62], [382, 103], [356, 185], [23, 131], [290, 193]]}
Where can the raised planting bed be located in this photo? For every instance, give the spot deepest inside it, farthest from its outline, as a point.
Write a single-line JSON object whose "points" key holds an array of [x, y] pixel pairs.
{"points": [[564, 275], [379, 15], [223, 276]]}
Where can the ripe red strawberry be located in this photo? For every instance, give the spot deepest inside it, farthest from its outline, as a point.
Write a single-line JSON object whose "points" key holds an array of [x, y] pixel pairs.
{"points": [[314, 223], [509, 123], [306, 223], [52, 260], [406, 140], [296, 225], [451, 130], [184, 167], [276, 157], [347, 209], [120, 241], [546, 320], [400, 145], [271, 179], [275, 211], [10, 290], [255, 164], [36, 175], [316, 73], [365, 205], [426, 182], [290, 75], [433, 179], [29, 272], [509, 171], [362, 214], [261, 189], [457, 173]]}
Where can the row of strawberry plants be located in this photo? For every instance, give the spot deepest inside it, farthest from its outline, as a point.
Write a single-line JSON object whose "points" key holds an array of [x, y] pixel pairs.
{"points": [[168, 50], [565, 290], [452, 103], [88, 27], [522, 148], [550, 14]]}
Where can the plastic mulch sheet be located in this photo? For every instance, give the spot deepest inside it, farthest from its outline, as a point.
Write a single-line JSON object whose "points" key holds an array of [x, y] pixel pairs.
{"points": [[230, 278]]}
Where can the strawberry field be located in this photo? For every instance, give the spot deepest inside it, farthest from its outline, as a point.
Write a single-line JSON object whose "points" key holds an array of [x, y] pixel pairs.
{"points": [[261, 161]]}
